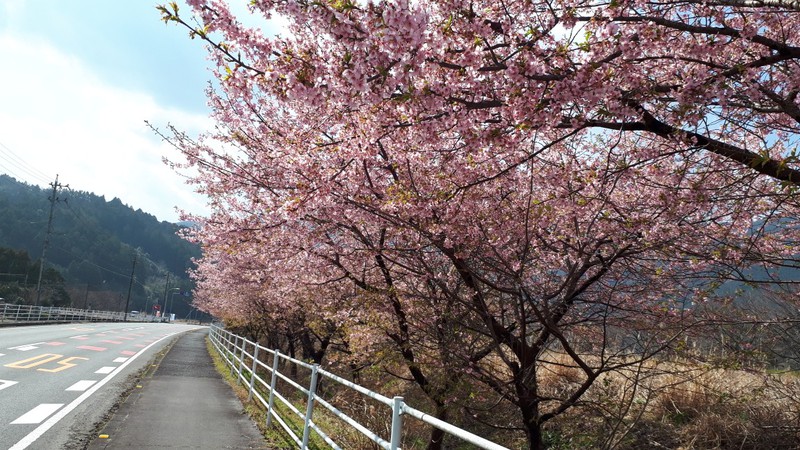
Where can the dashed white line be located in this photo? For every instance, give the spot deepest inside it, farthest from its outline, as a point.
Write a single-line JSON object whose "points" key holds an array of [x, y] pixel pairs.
{"points": [[121, 359], [105, 370], [82, 385], [37, 414], [41, 429]]}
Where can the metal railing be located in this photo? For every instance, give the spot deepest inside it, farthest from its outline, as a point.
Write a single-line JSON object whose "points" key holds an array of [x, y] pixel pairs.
{"points": [[11, 313], [244, 358]]}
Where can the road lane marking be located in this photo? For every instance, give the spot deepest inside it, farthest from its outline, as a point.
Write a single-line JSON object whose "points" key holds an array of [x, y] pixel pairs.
{"points": [[44, 358], [7, 383], [105, 370], [37, 414], [120, 360], [92, 348], [81, 385], [111, 342], [55, 418], [26, 347], [64, 363], [81, 337], [130, 353], [55, 343]]}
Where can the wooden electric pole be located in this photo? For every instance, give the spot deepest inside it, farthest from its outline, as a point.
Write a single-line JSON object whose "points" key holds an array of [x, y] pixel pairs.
{"points": [[53, 199], [130, 287]]}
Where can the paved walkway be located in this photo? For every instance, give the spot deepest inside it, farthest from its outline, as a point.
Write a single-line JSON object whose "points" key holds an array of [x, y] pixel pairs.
{"points": [[184, 404]]}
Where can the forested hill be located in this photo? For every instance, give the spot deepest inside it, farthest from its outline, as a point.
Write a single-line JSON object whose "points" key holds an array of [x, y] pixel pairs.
{"points": [[92, 244]]}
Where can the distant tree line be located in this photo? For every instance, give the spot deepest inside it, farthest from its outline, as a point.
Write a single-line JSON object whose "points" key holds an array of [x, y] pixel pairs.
{"points": [[18, 273], [91, 250]]}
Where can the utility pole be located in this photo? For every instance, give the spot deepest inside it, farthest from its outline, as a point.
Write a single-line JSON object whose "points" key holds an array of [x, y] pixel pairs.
{"points": [[130, 287], [53, 199]]}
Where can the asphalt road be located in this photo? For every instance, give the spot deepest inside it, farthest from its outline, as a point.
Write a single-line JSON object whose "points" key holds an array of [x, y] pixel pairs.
{"points": [[58, 382]]}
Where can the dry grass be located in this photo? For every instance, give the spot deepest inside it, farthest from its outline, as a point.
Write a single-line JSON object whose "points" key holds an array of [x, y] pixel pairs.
{"points": [[728, 409], [657, 404], [671, 405]]}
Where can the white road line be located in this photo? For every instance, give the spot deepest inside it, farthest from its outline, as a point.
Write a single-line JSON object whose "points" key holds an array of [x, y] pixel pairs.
{"points": [[81, 385], [26, 347], [7, 383], [41, 429], [37, 414], [121, 359], [105, 370]]}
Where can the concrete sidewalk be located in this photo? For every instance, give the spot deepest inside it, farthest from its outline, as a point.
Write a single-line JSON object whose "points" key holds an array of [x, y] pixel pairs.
{"points": [[184, 404]]}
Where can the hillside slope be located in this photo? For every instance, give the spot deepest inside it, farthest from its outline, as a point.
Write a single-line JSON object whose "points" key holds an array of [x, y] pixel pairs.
{"points": [[93, 243]]}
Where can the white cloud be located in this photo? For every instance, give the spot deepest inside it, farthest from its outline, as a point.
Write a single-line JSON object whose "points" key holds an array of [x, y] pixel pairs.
{"points": [[62, 119]]}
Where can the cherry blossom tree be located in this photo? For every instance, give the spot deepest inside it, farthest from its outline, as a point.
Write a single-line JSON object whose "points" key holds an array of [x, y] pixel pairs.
{"points": [[237, 284], [510, 186]]}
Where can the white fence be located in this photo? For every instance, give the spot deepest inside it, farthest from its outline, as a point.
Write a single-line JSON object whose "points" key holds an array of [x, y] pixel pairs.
{"points": [[10, 313], [244, 359]]}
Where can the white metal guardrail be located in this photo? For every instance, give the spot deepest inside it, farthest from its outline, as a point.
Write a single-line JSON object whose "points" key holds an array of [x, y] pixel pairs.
{"points": [[11, 313], [244, 359]]}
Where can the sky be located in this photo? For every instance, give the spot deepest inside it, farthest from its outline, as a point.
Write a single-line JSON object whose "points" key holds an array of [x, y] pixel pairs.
{"points": [[79, 78]]}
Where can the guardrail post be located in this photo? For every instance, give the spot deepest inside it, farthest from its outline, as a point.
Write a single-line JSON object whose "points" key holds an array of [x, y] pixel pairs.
{"points": [[233, 353], [272, 383], [310, 406], [397, 423], [241, 359], [253, 372]]}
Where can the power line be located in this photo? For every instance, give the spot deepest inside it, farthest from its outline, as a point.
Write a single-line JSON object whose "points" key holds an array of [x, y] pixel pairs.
{"points": [[77, 216], [115, 271], [12, 159], [84, 220]]}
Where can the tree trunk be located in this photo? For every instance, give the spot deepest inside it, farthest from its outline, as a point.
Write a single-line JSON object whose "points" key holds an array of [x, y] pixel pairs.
{"points": [[292, 352], [533, 429], [309, 351], [437, 435]]}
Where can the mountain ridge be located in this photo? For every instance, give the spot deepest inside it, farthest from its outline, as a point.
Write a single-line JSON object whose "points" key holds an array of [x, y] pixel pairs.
{"points": [[93, 243]]}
